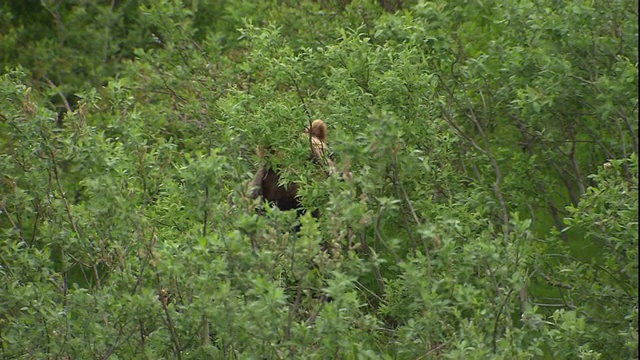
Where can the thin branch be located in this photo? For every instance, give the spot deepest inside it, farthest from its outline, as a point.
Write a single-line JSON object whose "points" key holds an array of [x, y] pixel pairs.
{"points": [[293, 309], [54, 87], [302, 102], [59, 184], [378, 235], [495, 324], [205, 321], [107, 43], [13, 224], [405, 199], [174, 336], [552, 282], [486, 152], [323, 300]]}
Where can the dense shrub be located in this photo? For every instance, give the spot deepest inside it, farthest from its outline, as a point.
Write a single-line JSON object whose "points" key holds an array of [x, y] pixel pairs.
{"points": [[493, 212]]}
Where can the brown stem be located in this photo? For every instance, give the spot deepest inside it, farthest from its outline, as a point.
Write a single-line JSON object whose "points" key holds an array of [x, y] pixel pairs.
{"points": [[378, 235], [107, 31], [407, 203], [495, 323], [205, 322], [576, 168], [486, 152], [376, 269], [293, 309], [174, 336], [13, 224], [627, 122], [552, 282]]}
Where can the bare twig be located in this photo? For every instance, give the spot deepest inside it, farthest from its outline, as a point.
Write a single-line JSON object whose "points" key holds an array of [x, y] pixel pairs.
{"points": [[406, 201], [552, 282], [302, 102], [486, 152], [495, 323], [293, 309], [107, 30], [54, 87], [174, 336]]}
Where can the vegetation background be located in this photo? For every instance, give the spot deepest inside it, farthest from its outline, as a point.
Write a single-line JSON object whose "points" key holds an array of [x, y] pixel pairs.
{"points": [[493, 213]]}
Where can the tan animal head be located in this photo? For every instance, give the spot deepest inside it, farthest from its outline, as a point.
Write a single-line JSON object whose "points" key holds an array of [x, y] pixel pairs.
{"points": [[320, 152]]}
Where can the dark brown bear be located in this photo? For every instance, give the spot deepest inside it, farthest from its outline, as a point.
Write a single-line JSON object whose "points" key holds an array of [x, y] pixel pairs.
{"points": [[266, 181]]}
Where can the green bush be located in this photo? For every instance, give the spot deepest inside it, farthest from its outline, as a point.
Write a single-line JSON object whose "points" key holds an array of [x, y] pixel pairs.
{"points": [[493, 211]]}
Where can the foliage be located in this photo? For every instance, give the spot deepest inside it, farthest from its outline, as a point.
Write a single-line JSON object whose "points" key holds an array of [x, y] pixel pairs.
{"points": [[493, 212]]}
